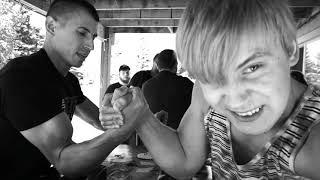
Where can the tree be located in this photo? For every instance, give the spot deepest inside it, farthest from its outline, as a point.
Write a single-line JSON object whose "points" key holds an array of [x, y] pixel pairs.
{"points": [[28, 39], [143, 56], [17, 36]]}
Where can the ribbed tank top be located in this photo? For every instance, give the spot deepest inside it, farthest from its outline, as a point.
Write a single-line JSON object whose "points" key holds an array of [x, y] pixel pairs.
{"points": [[276, 159]]}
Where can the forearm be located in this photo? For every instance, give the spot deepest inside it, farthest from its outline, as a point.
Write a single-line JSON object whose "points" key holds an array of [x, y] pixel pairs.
{"points": [[92, 120], [165, 147], [89, 112], [80, 159]]}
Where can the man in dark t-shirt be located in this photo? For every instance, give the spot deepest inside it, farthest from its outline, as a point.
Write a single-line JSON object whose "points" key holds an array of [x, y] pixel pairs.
{"points": [[32, 91], [142, 76], [124, 78], [167, 91], [39, 96]]}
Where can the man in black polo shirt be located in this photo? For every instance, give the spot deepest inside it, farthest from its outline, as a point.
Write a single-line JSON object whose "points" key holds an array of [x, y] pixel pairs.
{"points": [[38, 97]]}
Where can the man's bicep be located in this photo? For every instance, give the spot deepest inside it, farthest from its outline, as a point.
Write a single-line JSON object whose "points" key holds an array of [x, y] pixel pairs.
{"points": [[51, 136], [110, 89]]}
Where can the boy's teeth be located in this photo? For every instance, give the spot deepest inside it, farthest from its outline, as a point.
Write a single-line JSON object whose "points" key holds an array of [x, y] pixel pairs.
{"points": [[249, 113]]}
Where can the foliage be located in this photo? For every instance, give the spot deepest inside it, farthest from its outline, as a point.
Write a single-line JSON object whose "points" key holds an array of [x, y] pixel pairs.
{"points": [[143, 56], [312, 67], [17, 36]]}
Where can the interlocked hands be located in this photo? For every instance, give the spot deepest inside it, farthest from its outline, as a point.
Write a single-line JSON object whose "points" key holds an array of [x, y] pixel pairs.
{"points": [[125, 108]]}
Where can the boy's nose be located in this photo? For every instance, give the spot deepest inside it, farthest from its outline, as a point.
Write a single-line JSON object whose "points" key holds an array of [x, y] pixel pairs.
{"points": [[234, 94]]}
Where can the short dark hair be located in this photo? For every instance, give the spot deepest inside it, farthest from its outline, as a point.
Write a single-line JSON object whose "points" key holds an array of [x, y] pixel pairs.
{"points": [[124, 68], [167, 59], [61, 7]]}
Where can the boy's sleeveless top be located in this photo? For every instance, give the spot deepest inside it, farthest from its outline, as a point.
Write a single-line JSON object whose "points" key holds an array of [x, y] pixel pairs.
{"points": [[276, 159]]}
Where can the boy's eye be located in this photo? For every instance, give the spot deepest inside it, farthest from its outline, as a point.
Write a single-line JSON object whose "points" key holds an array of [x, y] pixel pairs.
{"points": [[252, 68]]}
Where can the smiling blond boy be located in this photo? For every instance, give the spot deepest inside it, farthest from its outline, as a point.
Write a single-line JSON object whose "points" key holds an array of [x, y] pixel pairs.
{"points": [[261, 123]]}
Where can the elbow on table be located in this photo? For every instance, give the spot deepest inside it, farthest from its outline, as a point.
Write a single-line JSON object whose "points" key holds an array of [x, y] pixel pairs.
{"points": [[71, 171], [182, 173]]}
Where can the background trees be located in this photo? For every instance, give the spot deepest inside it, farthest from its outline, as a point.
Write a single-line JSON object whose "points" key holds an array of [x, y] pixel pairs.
{"points": [[17, 36]]}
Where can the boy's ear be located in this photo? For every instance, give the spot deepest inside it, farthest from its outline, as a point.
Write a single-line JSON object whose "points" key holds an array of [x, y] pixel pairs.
{"points": [[50, 25], [294, 57]]}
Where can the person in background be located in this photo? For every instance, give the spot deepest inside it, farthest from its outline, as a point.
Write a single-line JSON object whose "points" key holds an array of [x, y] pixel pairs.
{"points": [[167, 91], [142, 76], [260, 122], [124, 78], [39, 96]]}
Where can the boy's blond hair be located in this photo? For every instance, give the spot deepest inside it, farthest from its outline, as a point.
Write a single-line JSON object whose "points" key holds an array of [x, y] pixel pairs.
{"points": [[209, 33]]}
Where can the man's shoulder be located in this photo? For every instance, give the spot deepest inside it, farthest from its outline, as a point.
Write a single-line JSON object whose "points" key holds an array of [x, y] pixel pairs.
{"points": [[171, 78], [25, 64], [151, 85], [153, 80], [178, 79], [182, 78], [141, 74], [112, 87], [117, 84], [28, 72]]}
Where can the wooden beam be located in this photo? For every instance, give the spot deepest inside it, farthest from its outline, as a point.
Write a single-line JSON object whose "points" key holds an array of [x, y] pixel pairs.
{"points": [[165, 4], [172, 29], [138, 30], [301, 12], [139, 4], [140, 23], [39, 6], [141, 14], [43, 5], [304, 3], [105, 63], [309, 31]]}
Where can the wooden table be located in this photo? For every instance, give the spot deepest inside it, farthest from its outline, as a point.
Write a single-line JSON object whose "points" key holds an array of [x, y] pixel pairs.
{"points": [[123, 164]]}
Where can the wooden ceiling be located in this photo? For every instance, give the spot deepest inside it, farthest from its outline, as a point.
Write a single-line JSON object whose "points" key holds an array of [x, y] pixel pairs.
{"points": [[156, 15]]}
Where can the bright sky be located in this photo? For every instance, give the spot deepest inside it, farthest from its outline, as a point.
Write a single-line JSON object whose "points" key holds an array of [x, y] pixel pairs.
{"points": [[314, 47]]}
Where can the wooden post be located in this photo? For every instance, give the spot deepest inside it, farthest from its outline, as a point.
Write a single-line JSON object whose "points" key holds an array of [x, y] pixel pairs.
{"points": [[105, 62]]}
